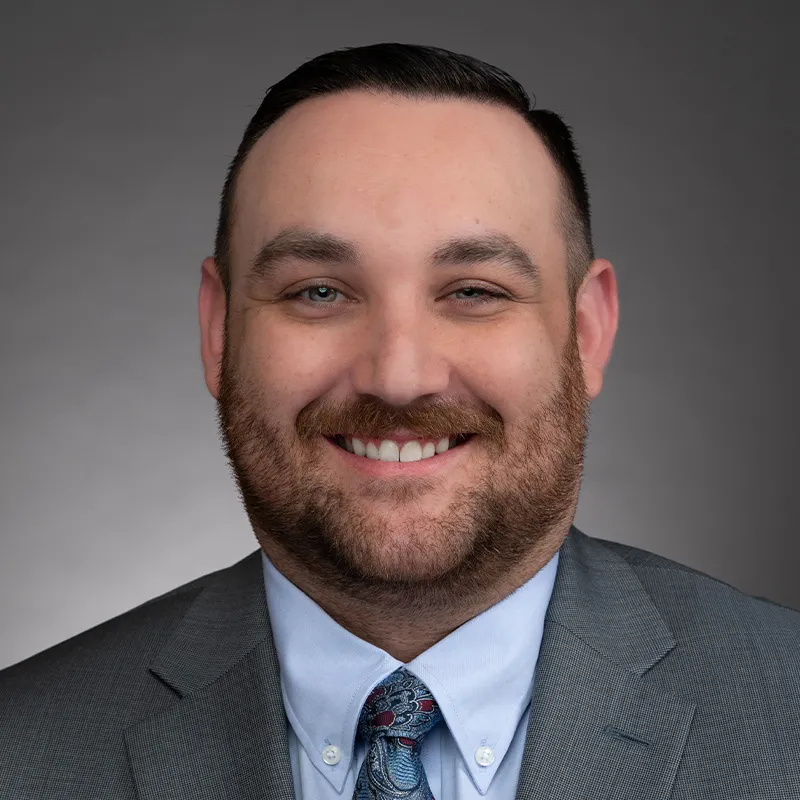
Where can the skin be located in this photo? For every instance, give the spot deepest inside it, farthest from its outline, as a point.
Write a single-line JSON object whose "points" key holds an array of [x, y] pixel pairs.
{"points": [[402, 558]]}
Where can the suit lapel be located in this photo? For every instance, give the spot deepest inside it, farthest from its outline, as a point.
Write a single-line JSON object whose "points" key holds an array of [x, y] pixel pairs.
{"points": [[225, 737], [598, 727]]}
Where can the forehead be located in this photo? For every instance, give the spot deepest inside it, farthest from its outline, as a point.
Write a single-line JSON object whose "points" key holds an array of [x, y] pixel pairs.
{"points": [[397, 175]]}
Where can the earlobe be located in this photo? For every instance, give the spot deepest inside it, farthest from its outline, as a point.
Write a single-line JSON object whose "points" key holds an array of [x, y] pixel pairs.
{"points": [[212, 307], [597, 318]]}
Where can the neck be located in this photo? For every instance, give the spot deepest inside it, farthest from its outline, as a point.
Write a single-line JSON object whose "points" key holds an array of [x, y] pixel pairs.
{"points": [[403, 624]]}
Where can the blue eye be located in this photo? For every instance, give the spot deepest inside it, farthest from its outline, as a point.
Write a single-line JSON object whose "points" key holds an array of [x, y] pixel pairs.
{"points": [[325, 293], [322, 294]]}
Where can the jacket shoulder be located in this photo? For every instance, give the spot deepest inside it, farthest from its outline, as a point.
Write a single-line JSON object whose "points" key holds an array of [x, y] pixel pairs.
{"points": [[108, 662], [719, 623], [736, 657], [77, 697], [647, 566]]}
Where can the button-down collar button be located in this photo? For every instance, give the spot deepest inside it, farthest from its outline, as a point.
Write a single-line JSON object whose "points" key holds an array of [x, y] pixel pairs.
{"points": [[484, 756], [331, 755]]}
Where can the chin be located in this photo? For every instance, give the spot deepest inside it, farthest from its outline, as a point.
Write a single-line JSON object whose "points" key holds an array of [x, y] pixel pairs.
{"points": [[412, 553]]}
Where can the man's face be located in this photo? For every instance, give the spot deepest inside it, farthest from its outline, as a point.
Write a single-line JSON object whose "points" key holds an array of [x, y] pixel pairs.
{"points": [[391, 307]]}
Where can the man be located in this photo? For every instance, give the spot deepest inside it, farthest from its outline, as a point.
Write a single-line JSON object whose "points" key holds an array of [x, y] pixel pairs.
{"points": [[404, 324]]}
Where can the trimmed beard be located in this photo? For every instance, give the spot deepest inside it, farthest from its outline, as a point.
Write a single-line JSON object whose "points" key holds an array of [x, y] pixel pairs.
{"points": [[518, 512]]}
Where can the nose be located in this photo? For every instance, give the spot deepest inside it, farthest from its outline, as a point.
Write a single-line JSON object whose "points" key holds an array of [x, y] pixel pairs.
{"points": [[399, 359]]}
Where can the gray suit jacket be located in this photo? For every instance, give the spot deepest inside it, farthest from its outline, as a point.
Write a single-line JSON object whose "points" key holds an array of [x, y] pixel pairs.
{"points": [[654, 681]]}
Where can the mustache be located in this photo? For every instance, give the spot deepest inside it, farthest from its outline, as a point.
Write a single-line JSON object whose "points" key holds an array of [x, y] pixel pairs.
{"points": [[370, 416]]}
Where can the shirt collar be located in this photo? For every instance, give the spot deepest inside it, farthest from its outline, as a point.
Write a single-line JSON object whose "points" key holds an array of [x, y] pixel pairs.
{"points": [[481, 674]]}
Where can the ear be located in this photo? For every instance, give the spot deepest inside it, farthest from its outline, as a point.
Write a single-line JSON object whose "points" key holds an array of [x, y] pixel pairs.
{"points": [[212, 307], [596, 320]]}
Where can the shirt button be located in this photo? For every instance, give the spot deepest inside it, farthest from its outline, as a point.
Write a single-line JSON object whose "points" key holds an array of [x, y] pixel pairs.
{"points": [[484, 756], [331, 755]]}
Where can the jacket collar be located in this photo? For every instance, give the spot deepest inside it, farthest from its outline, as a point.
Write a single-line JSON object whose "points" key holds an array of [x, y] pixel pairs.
{"points": [[224, 738], [597, 724]]}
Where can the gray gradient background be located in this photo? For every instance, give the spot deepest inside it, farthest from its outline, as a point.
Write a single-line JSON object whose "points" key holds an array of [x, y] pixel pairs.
{"points": [[119, 121]]}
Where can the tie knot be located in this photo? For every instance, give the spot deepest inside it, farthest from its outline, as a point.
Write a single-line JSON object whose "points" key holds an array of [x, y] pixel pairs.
{"points": [[401, 706]]}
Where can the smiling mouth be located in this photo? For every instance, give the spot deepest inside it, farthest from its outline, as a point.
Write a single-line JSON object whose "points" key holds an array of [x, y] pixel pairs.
{"points": [[389, 450]]}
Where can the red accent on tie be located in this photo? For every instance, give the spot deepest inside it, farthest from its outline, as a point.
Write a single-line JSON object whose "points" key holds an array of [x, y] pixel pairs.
{"points": [[383, 718]]}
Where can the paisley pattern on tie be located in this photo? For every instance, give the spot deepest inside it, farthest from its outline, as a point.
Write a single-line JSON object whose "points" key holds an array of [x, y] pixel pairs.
{"points": [[396, 716]]}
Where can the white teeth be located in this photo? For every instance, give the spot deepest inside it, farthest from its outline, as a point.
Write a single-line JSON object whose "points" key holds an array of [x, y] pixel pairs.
{"points": [[389, 450], [412, 451]]}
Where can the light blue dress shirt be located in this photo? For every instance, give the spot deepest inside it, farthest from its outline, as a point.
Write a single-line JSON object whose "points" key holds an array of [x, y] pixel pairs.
{"points": [[481, 676]]}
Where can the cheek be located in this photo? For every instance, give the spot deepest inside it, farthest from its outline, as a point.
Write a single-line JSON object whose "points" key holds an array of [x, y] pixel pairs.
{"points": [[292, 365], [512, 368], [511, 365]]}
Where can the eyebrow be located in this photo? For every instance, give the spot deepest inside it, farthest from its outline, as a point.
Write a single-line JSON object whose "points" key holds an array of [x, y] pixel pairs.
{"points": [[324, 248]]}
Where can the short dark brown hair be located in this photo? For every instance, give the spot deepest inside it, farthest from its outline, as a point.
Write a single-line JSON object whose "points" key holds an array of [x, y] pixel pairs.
{"points": [[420, 72]]}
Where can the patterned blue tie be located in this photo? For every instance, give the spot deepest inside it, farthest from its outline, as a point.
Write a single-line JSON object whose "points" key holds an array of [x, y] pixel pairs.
{"points": [[395, 719]]}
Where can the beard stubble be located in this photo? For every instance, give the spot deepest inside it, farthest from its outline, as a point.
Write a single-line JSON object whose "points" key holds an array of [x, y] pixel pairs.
{"points": [[517, 513]]}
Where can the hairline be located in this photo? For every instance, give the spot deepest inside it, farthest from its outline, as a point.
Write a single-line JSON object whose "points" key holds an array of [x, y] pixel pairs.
{"points": [[567, 215]]}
